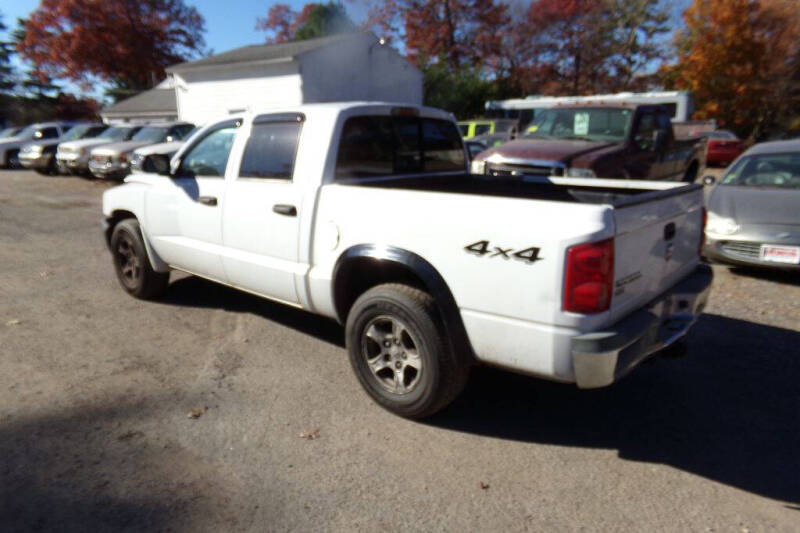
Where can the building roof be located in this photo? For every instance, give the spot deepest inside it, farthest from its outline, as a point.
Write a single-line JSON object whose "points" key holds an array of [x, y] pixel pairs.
{"points": [[265, 52], [155, 102]]}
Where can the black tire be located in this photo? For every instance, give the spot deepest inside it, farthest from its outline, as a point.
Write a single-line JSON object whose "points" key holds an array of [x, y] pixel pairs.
{"points": [[132, 265], [12, 160], [442, 374]]}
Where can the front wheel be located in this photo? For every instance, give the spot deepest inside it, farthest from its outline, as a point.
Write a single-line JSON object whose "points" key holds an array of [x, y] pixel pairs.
{"points": [[399, 351], [132, 265]]}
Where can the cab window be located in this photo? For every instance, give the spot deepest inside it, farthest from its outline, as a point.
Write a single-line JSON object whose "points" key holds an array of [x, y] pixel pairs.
{"points": [[374, 146], [209, 156], [271, 150]]}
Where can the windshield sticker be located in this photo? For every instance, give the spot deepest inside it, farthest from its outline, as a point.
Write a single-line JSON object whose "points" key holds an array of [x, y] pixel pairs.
{"points": [[533, 128], [581, 126]]}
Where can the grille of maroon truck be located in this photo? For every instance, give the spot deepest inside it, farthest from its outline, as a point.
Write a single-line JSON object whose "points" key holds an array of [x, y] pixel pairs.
{"points": [[509, 169], [748, 250]]}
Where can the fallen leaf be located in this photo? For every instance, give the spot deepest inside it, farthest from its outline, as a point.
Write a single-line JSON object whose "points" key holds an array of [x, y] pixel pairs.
{"points": [[310, 435], [197, 413], [483, 485], [14, 322]]}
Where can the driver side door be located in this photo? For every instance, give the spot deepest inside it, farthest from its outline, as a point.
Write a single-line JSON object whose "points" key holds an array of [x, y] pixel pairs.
{"points": [[184, 216]]}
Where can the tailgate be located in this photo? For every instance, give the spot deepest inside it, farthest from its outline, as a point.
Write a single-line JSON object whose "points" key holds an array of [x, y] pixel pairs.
{"points": [[656, 244]]}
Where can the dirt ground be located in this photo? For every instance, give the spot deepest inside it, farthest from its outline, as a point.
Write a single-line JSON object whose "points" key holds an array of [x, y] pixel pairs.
{"points": [[97, 389]]}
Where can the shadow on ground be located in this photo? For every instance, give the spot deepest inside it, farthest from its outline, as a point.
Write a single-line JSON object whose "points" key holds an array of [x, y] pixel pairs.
{"points": [[790, 277], [197, 292], [729, 411], [90, 468]]}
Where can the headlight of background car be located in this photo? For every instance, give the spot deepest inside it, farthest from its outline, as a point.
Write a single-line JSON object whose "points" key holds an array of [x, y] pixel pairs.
{"points": [[478, 167], [580, 173], [721, 225]]}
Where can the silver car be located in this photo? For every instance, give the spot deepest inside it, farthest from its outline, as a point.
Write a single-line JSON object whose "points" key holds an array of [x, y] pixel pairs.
{"points": [[112, 161], [754, 210]]}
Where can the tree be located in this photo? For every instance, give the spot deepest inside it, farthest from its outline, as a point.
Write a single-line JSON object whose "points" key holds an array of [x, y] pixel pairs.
{"points": [[126, 42], [7, 81], [741, 60], [586, 46], [463, 33], [283, 24]]}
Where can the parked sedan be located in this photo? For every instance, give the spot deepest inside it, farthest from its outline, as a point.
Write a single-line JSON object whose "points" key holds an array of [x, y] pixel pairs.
{"points": [[113, 161], [41, 155], [753, 214], [722, 147]]}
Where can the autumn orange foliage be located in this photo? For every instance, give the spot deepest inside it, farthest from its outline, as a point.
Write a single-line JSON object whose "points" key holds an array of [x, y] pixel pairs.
{"points": [[739, 58]]}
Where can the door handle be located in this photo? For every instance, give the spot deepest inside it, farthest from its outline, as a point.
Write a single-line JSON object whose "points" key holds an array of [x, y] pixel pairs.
{"points": [[207, 200], [285, 209]]}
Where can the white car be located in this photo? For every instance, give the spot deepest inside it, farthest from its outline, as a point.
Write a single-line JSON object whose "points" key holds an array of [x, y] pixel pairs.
{"points": [[166, 149], [366, 213], [10, 146]]}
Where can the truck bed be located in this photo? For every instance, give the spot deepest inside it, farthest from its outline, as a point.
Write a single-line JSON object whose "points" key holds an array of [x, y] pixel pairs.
{"points": [[616, 193]]}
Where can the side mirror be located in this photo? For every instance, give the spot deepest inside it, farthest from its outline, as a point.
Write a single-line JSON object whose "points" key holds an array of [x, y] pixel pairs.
{"points": [[659, 140], [709, 180], [158, 163]]}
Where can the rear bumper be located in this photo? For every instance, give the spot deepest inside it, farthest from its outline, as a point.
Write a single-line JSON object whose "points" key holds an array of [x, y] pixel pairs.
{"points": [[602, 357]]}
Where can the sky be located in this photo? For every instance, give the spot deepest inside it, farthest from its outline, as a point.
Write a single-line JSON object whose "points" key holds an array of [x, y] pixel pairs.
{"points": [[229, 23]]}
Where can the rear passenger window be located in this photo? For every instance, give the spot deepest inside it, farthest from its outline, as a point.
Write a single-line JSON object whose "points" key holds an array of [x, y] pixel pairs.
{"points": [[374, 146], [271, 150]]}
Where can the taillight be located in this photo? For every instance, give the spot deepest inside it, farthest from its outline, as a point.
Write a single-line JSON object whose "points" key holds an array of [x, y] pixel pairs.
{"points": [[589, 277], [703, 231]]}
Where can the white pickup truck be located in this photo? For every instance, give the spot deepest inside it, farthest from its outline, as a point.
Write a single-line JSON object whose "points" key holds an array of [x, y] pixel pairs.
{"points": [[366, 213]]}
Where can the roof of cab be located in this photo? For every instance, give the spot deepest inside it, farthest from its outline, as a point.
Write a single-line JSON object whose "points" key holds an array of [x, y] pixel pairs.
{"points": [[340, 107]]}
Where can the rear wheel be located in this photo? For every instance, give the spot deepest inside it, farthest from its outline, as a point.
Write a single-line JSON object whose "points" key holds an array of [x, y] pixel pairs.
{"points": [[399, 351], [132, 265]]}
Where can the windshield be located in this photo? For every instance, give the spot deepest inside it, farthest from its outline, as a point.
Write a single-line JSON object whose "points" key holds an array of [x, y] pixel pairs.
{"points": [[463, 128], [27, 133], [781, 171], [8, 132], [150, 134], [81, 131], [115, 134], [589, 124]]}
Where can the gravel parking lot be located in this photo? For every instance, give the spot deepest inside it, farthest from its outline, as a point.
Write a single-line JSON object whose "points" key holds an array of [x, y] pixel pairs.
{"points": [[97, 389]]}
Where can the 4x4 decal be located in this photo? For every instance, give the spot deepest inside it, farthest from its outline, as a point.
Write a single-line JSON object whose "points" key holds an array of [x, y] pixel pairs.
{"points": [[481, 248]]}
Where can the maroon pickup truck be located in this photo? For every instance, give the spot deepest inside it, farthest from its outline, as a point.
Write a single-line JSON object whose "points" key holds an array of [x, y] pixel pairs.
{"points": [[597, 140]]}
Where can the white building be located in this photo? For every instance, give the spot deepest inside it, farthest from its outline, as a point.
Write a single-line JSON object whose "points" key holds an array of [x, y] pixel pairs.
{"points": [[346, 67], [156, 105]]}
